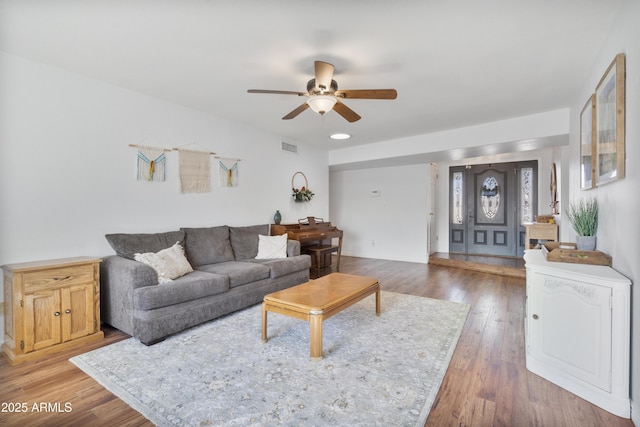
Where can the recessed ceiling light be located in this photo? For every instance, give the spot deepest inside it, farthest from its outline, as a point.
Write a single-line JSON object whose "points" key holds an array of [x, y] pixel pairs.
{"points": [[340, 136]]}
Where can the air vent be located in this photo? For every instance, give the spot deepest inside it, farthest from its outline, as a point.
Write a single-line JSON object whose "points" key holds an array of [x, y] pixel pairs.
{"points": [[289, 147]]}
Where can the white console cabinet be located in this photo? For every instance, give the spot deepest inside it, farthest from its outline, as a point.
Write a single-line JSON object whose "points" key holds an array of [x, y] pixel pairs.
{"points": [[577, 329]]}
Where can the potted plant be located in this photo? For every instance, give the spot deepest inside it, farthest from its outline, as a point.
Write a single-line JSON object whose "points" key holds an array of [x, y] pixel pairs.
{"points": [[302, 195], [583, 216]]}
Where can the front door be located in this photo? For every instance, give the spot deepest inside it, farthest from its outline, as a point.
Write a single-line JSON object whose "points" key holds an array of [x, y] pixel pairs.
{"points": [[490, 204]]}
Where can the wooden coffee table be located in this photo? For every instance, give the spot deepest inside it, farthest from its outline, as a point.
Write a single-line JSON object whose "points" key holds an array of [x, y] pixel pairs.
{"points": [[318, 300]]}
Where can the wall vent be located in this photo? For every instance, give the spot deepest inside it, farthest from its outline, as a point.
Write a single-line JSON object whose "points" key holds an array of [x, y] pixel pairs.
{"points": [[289, 147]]}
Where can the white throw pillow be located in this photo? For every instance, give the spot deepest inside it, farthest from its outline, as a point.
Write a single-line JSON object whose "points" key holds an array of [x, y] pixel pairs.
{"points": [[270, 247], [169, 263]]}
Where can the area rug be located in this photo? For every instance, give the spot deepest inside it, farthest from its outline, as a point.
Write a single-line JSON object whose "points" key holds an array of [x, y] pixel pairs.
{"points": [[383, 371]]}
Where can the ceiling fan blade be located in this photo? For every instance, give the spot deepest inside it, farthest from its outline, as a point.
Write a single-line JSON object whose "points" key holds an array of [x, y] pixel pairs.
{"points": [[277, 92], [368, 94], [324, 75], [295, 112], [346, 112]]}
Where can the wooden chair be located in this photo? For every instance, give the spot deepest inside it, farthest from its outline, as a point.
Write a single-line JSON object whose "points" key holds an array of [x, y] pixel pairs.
{"points": [[319, 251]]}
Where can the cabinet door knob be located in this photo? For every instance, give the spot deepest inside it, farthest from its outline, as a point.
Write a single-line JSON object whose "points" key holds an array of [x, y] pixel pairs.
{"points": [[57, 313], [67, 311], [535, 316]]}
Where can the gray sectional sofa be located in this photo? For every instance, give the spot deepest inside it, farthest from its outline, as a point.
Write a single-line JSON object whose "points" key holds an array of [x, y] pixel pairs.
{"points": [[226, 277]]}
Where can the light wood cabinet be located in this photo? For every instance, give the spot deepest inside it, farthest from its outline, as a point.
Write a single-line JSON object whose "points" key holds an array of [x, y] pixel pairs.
{"points": [[577, 329], [50, 305], [540, 231]]}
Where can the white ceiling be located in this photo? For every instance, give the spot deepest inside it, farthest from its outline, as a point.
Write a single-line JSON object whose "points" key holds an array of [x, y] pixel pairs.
{"points": [[454, 63]]}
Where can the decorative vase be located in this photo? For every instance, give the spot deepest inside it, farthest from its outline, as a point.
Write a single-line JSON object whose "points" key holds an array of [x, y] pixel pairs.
{"points": [[586, 243], [277, 217]]}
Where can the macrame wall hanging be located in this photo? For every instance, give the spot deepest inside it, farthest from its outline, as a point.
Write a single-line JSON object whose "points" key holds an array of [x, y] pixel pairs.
{"points": [[195, 170], [228, 176], [151, 163]]}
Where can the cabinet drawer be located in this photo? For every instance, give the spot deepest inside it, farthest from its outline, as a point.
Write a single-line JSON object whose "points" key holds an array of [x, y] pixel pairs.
{"points": [[55, 277], [544, 234]]}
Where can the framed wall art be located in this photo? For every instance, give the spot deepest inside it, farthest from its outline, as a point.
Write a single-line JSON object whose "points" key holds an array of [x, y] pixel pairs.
{"points": [[610, 117], [587, 144]]}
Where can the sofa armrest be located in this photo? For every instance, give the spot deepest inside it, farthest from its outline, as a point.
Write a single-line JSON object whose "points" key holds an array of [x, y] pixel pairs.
{"points": [[126, 272], [118, 278], [293, 248]]}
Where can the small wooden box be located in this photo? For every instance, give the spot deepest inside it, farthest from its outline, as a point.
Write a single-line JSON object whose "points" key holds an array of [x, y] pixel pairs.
{"points": [[568, 252]]}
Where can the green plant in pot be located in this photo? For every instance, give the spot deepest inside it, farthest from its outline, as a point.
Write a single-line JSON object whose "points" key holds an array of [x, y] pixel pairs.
{"points": [[583, 216]]}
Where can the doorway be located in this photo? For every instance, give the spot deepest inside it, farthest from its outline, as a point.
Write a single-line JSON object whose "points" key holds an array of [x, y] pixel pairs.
{"points": [[489, 206]]}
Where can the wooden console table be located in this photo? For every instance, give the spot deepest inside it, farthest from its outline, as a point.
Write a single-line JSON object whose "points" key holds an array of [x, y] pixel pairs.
{"points": [[540, 231]]}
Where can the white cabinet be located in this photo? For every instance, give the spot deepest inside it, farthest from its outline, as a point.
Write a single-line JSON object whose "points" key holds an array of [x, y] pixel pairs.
{"points": [[577, 329]]}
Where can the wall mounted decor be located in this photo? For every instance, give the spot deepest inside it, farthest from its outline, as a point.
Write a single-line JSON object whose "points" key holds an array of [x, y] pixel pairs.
{"points": [[150, 163], [610, 123], [587, 144], [302, 194], [553, 188], [228, 176], [195, 170]]}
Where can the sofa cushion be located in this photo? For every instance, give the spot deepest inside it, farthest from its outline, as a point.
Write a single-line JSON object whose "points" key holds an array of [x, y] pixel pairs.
{"points": [[283, 266], [127, 245], [239, 273], [270, 247], [207, 245], [195, 285], [169, 263], [244, 240]]}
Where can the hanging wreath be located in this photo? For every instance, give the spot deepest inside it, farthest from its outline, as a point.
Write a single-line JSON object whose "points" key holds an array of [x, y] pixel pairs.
{"points": [[301, 194]]}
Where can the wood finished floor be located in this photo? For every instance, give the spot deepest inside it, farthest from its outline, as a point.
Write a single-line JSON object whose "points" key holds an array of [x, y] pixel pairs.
{"points": [[486, 384]]}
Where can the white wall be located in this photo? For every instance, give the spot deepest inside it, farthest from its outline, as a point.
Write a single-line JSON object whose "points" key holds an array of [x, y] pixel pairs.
{"points": [[67, 174], [487, 135], [392, 225], [619, 227]]}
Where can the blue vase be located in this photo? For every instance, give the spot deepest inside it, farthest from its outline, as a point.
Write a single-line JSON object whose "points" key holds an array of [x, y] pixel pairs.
{"points": [[277, 217]]}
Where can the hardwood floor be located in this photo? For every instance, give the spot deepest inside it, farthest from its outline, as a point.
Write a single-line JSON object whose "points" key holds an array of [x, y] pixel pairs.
{"points": [[486, 384], [502, 266]]}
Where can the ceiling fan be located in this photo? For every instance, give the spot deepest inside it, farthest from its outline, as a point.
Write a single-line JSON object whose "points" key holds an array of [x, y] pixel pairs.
{"points": [[324, 95]]}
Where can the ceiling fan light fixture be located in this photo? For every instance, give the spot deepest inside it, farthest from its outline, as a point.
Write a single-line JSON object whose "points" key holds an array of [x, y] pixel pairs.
{"points": [[323, 94], [339, 136], [322, 103]]}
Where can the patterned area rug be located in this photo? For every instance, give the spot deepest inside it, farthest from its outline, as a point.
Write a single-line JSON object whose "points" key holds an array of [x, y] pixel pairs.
{"points": [[383, 371]]}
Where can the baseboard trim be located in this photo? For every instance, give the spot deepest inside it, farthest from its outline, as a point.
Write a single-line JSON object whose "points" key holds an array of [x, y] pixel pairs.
{"points": [[386, 258], [635, 414]]}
